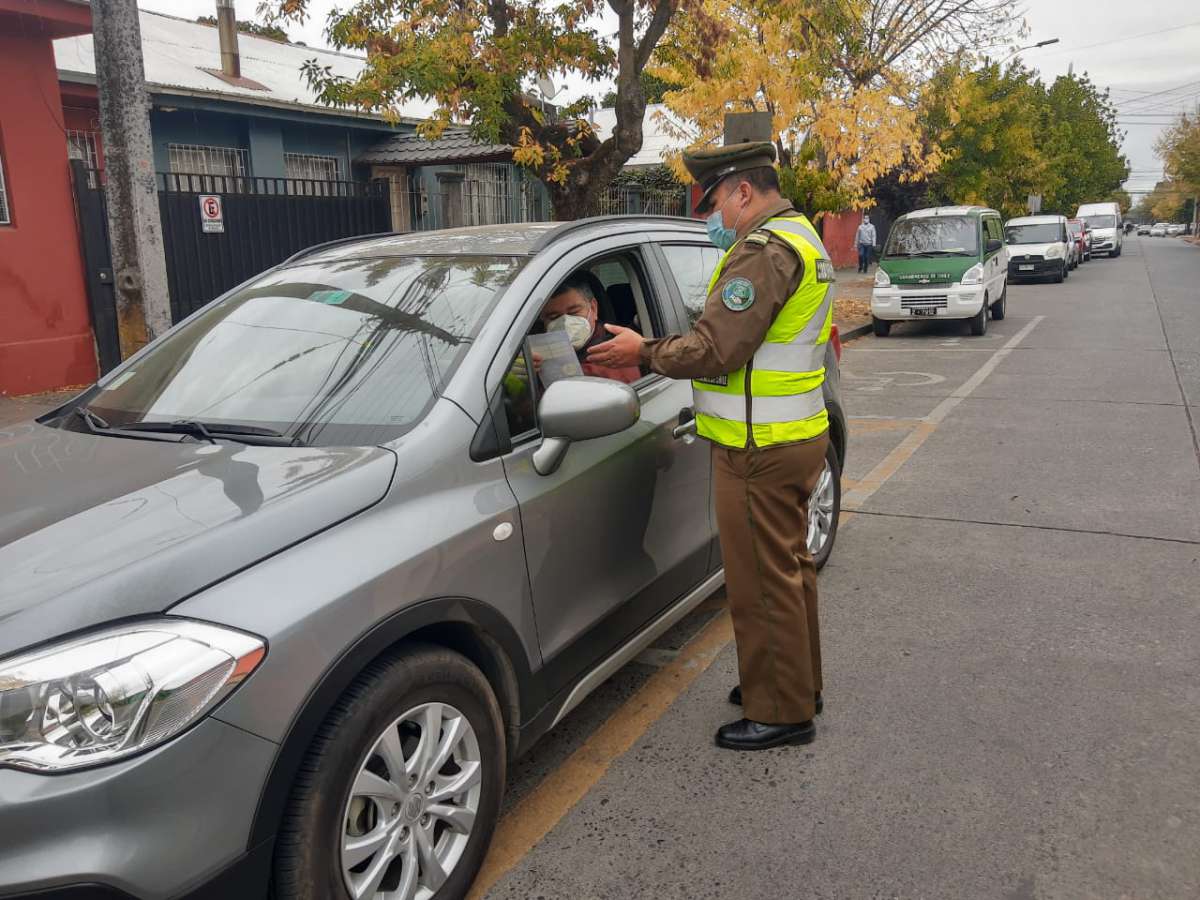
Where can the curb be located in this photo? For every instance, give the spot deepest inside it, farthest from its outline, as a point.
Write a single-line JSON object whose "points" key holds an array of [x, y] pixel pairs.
{"points": [[857, 331]]}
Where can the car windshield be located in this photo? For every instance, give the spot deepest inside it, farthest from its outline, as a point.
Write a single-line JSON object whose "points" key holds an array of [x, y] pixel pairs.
{"points": [[345, 353], [934, 236], [1042, 233], [1076, 229], [1101, 221]]}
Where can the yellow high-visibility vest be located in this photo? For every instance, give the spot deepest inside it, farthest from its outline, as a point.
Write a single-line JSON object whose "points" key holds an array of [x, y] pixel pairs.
{"points": [[776, 398]]}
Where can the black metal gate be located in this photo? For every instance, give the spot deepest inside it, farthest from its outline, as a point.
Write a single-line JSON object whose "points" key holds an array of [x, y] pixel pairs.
{"points": [[97, 262], [265, 220]]}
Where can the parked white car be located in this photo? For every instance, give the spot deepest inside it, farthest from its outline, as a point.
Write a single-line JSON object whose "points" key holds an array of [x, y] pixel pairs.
{"points": [[1160, 229], [1038, 247], [1104, 220]]}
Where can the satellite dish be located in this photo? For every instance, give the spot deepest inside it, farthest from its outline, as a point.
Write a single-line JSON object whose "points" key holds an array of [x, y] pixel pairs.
{"points": [[546, 86]]}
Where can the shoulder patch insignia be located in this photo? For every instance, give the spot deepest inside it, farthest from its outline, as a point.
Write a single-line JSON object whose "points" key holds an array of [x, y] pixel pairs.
{"points": [[825, 272], [738, 294], [758, 238]]}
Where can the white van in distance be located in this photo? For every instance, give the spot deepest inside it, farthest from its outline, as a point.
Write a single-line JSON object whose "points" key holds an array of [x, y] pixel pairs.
{"points": [[1104, 219]]}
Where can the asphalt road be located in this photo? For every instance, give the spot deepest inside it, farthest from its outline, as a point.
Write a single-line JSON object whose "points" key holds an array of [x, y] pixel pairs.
{"points": [[1011, 623]]}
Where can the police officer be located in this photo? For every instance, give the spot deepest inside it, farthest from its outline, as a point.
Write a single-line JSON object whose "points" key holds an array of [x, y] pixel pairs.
{"points": [[756, 360]]}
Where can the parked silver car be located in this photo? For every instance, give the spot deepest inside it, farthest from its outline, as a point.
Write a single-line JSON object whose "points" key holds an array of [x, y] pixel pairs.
{"points": [[284, 593]]}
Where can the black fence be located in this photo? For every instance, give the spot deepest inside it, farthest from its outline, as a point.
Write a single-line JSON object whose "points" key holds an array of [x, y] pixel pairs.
{"points": [[263, 222], [91, 213]]}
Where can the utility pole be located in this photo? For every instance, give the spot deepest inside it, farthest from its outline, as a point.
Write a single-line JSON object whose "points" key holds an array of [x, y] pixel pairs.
{"points": [[134, 226]]}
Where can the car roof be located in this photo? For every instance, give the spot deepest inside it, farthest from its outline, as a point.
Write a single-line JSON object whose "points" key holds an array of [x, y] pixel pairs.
{"points": [[948, 211], [1034, 220], [516, 239]]}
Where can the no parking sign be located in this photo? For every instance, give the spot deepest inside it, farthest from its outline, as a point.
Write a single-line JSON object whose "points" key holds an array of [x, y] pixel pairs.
{"points": [[212, 215]]}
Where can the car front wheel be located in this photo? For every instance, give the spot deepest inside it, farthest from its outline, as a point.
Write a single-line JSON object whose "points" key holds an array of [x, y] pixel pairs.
{"points": [[400, 791], [825, 508], [881, 327], [1000, 307]]}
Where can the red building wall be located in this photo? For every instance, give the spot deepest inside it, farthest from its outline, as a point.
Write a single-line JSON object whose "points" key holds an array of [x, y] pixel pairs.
{"points": [[837, 234], [45, 333]]}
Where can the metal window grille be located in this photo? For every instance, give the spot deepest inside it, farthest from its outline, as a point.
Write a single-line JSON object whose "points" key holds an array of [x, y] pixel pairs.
{"points": [[310, 174], [5, 218], [209, 168], [82, 145], [487, 193]]}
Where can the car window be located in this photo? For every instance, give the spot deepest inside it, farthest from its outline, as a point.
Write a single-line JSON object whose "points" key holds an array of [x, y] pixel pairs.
{"points": [[1040, 233], [623, 297], [346, 353], [933, 236], [692, 266], [991, 229]]}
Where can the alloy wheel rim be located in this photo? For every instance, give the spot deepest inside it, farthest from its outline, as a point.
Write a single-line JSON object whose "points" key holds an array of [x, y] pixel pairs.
{"points": [[820, 512], [412, 806]]}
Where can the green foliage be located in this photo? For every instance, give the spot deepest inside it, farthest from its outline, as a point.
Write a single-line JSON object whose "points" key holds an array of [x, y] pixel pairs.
{"points": [[1007, 136], [655, 178], [1080, 141], [1179, 148], [274, 32], [810, 186], [652, 86]]}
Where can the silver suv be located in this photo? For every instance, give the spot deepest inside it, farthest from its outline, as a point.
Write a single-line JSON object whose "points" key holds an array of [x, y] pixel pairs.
{"points": [[284, 593]]}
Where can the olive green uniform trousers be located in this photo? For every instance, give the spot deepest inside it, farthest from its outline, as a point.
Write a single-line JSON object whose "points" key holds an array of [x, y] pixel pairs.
{"points": [[762, 517]]}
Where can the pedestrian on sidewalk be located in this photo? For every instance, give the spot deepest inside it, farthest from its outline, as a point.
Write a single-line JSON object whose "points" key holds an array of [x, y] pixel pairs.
{"points": [[756, 360], [865, 238]]}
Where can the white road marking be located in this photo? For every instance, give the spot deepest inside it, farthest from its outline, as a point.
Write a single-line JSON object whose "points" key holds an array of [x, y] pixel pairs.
{"points": [[878, 476]]}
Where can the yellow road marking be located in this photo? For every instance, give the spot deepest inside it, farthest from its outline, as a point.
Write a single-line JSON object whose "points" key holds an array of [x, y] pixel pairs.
{"points": [[543, 808], [559, 791]]}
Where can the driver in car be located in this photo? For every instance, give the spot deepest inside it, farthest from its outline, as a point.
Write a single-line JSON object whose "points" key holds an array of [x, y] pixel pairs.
{"points": [[573, 309]]}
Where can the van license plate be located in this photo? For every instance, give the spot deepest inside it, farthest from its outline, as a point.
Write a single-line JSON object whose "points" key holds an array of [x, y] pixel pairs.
{"points": [[924, 312], [1025, 268]]}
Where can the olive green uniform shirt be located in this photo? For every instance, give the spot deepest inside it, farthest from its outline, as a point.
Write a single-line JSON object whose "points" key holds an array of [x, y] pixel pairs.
{"points": [[724, 340]]}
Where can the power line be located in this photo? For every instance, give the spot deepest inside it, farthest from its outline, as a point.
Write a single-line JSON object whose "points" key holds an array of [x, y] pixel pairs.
{"points": [[1131, 37]]}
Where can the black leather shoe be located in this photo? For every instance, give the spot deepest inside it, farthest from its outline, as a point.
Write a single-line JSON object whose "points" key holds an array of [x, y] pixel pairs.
{"points": [[735, 697], [745, 734]]}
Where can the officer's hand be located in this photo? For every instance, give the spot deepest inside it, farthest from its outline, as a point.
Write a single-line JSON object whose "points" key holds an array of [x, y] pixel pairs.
{"points": [[625, 349]]}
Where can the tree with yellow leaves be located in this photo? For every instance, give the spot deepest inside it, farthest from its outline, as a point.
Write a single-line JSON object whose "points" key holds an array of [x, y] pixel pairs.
{"points": [[841, 79]]}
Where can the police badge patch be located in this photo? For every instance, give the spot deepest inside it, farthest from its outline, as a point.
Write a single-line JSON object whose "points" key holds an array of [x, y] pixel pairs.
{"points": [[825, 274], [738, 294]]}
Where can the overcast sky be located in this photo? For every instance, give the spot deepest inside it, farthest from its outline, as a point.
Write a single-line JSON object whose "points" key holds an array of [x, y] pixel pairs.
{"points": [[1147, 52]]}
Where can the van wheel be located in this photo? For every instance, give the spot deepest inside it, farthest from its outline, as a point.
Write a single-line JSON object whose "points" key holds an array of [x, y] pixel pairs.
{"points": [[979, 320], [1060, 275], [881, 327], [1000, 307], [400, 791]]}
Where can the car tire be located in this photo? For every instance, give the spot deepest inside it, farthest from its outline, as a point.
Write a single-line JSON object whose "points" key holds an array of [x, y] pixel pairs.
{"points": [[978, 322], [396, 696], [881, 327], [826, 504], [1117, 252], [1000, 307], [1060, 276]]}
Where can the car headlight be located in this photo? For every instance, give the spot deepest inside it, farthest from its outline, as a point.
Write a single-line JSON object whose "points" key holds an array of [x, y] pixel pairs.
{"points": [[116, 692], [881, 278], [1054, 251], [973, 275]]}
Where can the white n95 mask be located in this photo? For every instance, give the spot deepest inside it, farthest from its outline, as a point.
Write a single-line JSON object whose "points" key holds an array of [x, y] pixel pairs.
{"points": [[578, 329]]}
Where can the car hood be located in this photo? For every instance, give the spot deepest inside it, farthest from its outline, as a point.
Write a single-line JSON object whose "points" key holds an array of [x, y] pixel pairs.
{"points": [[1029, 249], [1104, 233], [99, 528]]}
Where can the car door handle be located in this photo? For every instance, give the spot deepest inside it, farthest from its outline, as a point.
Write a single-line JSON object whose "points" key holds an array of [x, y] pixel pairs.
{"points": [[687, 424]]}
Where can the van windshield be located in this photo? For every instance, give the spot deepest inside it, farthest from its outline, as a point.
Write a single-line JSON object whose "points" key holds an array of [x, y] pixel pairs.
{"points": [[1044, 233], [933, 236], [346, 353], [1101, 221]]}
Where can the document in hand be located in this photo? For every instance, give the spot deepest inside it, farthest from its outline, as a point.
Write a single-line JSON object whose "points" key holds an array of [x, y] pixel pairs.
{"points": [[558, 356]]}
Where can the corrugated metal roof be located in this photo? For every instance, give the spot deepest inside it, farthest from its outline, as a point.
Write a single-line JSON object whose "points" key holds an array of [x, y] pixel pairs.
{"points": [[452, 146], [176, 52]]}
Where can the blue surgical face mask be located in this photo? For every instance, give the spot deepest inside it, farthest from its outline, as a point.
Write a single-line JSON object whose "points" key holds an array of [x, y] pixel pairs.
{"points": [[722, 237]]}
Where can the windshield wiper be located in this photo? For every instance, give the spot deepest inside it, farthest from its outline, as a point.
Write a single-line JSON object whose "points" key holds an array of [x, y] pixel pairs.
{"points": [[943, 253], [210, 431]]}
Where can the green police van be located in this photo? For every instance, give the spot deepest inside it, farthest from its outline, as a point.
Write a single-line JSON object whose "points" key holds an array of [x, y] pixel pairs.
{"points": [[943, 263]]}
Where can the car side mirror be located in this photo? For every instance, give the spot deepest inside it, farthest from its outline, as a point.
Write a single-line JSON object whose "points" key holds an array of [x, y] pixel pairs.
{"points": [[580, 409], [993, 245]]}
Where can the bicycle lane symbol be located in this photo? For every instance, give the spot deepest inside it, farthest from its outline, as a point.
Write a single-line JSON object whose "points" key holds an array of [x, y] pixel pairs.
{"points": [[878, 382]]}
